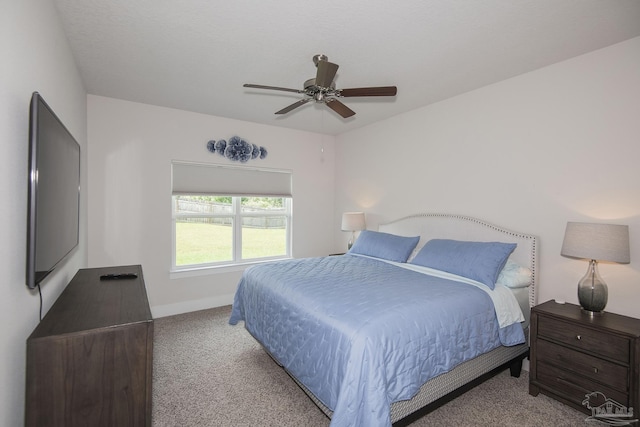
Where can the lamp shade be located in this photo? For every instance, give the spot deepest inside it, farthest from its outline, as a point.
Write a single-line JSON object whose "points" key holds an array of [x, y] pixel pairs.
{"points": [[600, 242], [353, 221]]}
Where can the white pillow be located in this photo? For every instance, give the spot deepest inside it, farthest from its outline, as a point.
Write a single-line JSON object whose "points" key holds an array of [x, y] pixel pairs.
{"points": [[514, 276]]}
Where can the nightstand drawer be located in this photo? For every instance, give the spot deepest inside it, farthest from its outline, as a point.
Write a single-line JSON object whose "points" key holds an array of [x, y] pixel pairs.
{"points": [[574, 387], [601, 371], [601, 343]]}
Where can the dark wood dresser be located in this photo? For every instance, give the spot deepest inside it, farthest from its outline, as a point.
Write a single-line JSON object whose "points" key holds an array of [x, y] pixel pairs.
{"points": [[89, 361], [574, 354]]}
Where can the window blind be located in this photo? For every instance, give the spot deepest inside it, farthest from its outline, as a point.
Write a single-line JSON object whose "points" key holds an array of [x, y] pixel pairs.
{"points": [[209, 179]]}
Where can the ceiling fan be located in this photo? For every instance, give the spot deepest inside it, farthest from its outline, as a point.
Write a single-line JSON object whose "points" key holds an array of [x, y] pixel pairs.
{"points": [[322, 89]]}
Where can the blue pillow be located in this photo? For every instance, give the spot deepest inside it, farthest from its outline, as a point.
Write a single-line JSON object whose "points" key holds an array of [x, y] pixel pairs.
{"points": [[384, 245], [480, 261]]}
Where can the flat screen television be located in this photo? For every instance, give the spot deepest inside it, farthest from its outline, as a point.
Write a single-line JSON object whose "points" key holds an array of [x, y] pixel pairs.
{"points": [[53, 213]]}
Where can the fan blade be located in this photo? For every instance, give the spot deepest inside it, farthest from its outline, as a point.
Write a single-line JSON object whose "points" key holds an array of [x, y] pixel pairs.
{"points": [[326, 73], [369, 91], [340, 108], [273, 88], [285, 110]]}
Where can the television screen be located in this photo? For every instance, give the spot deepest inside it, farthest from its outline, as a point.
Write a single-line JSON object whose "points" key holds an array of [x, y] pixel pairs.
{"points": [[54, 192]]}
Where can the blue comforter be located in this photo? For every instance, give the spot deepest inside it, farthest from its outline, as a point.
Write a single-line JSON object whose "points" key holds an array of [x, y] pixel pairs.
{"points": [[361, 333]]}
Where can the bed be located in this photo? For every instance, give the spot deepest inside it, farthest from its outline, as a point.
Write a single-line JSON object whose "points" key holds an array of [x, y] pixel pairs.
{"points": [[412, 315]]}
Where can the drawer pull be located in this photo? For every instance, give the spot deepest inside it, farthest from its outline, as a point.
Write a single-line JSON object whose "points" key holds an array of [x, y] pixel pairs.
{"points": [[578, 337], [595, 370]]}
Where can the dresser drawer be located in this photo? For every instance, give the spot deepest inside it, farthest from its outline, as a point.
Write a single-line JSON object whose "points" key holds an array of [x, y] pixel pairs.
{"points": [[574, 387], [596, 342], [592, 368]]}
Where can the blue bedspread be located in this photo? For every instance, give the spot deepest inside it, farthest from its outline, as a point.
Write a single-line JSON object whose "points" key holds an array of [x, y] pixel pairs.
{"points": [[361, 333]]}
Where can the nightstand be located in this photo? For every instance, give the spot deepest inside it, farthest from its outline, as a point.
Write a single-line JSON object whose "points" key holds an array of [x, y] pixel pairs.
{"points": [[574, 354]]}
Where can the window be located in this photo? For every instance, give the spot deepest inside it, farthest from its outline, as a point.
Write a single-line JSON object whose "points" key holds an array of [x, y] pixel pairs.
{"points": [[227, 216], [214, 230]]}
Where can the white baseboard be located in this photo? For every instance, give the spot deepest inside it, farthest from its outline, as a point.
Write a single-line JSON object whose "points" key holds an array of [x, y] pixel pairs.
{"points": [[189, 306]]}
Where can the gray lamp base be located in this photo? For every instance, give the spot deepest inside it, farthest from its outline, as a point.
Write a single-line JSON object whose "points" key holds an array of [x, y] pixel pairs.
{"points": [[351, 240], [592, 291]]}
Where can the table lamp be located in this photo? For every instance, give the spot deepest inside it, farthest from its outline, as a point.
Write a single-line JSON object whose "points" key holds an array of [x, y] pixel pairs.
{"points": [[595, 242], [353, 221]]}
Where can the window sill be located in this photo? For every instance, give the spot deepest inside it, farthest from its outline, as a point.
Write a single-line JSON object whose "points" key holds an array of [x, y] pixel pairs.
{"points": [[210, 270]]}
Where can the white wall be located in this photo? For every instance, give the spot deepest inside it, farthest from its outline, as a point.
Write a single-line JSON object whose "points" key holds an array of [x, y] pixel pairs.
{"points": [[132, 146], [558, 144], [35, 57]]}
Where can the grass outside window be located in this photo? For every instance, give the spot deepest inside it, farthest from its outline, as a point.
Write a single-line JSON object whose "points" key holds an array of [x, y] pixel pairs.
{"points": [[201, 243]]}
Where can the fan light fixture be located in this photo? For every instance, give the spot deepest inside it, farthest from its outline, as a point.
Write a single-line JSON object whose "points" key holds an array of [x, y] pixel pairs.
{"points": [[322, 89]]}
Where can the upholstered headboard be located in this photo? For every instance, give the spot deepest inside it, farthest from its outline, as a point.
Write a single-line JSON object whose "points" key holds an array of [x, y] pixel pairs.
{"points": [[458, 227]]}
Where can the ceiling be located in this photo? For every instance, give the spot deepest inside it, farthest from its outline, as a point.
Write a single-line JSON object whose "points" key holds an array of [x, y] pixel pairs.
{"points": [[195, 55]]}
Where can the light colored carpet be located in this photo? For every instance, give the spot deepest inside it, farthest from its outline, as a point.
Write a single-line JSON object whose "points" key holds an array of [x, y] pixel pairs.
{"points": [[208, 373]]}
